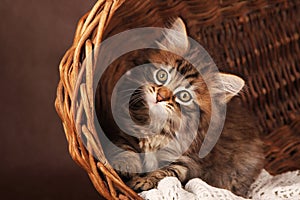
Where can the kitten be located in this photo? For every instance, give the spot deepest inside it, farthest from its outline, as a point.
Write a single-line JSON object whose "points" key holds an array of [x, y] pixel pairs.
{"points": [[173, 101]]}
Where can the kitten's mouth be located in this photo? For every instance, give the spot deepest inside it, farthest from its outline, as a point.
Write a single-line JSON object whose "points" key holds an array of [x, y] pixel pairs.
{"points": [[155, 107], [151, 99], [146, 110], [153, 113], [157, 112]]}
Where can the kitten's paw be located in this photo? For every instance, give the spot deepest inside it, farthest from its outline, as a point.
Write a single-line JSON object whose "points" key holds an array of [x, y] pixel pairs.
{"points": [[140, 184]]}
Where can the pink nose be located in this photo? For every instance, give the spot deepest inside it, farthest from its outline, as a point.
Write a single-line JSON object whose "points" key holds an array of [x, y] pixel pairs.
{"points": [[163, 94]]}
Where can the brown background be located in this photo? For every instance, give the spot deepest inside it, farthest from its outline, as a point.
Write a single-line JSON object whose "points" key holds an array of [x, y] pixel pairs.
{"points": [[35, 163]]}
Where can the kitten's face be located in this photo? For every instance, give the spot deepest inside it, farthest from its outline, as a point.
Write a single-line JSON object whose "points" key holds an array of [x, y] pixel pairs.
{"points": [[168, 97]]}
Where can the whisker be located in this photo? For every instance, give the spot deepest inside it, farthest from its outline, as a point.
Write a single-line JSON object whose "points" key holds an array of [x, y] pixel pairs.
{"points": [[130, 94], [136, 100], [127, 95], [132, 89]]}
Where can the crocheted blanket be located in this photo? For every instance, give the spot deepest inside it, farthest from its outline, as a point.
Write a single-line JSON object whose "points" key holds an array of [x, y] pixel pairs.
{"points": [[266, 187]]}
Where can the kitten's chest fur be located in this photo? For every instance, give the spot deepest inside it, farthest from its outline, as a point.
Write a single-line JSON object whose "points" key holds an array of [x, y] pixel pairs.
{"points": [[153, 143], [150, 146]]}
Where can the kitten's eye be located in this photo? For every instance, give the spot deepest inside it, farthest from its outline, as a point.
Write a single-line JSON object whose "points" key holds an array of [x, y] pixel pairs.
{"points": [[184, 96], [161, 76]]}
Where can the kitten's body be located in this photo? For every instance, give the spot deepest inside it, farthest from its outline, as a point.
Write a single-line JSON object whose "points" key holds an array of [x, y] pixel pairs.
{"points": [[234, 162]]}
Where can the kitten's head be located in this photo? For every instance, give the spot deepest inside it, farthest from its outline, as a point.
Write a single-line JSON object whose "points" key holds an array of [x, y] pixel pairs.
{"points": [[173, 91]]}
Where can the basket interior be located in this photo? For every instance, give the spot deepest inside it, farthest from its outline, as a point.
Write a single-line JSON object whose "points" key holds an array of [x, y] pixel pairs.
{"points": [[257, 40], [244, 38]]}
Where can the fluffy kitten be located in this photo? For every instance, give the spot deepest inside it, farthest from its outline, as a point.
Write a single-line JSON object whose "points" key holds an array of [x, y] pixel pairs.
{"points": [[173, 101]]}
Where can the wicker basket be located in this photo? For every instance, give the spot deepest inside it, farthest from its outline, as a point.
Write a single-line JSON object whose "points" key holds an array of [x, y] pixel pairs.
{"points": [[259, 40]]}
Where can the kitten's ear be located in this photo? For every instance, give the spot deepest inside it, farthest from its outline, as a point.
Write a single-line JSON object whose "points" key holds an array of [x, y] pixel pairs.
{"points": [[232, 85], [176, 42]]}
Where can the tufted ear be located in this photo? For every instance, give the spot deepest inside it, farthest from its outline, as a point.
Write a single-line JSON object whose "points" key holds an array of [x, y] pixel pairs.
{"points": [[232, 85], [176, 39]]}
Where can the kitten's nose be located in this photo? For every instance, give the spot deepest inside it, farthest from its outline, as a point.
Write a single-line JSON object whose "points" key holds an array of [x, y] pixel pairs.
{"points": [[163, 94]]}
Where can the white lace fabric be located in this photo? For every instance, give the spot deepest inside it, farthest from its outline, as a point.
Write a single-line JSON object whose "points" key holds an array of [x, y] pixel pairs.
{"points": [[266, 187]]}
